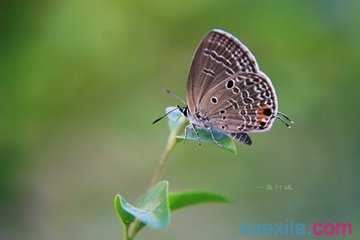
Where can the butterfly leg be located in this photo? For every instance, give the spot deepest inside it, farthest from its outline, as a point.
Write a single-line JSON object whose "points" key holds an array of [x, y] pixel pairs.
{"points": [[185, 134], [196, 133], [214, 139]]}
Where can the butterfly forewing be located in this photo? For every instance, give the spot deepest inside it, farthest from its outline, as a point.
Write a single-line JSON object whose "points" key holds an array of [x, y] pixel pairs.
{"points": [[218, 56]]}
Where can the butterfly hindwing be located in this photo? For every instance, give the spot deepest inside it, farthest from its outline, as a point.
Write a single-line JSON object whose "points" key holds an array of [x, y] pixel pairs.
{"points": [[245, 102]]}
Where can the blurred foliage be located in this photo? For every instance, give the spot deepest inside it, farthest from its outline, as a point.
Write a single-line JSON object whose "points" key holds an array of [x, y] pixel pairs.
{"points": [[80, 83]]}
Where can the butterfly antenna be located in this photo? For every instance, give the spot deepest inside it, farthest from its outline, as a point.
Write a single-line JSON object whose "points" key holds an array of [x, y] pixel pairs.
{"points": [[174, 95], [160, 118]]}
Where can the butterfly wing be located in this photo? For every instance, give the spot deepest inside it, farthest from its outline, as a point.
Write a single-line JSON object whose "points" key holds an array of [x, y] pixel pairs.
{"points": [[218, 56], [244, 102]]}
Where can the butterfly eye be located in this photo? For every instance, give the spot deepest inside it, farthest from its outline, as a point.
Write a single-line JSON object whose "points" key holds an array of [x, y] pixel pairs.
{"points": [[262, 124]]}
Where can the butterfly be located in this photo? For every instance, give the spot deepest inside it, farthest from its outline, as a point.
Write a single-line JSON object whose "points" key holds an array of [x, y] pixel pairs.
{"points": [[227, 91]]}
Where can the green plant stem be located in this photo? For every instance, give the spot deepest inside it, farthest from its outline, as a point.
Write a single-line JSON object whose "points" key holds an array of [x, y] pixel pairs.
{"points": [[126, 233], [164, 158], [171, 142]]}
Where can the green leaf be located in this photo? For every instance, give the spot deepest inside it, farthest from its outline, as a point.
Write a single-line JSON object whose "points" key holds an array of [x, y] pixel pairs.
{"points": [[204, 135], [176, 118], [188, 198], [154, 205], [125, 216], [152, 209]]}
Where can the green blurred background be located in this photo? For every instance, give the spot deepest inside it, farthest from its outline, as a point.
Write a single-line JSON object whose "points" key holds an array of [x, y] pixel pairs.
{"points": [[80, 83]]}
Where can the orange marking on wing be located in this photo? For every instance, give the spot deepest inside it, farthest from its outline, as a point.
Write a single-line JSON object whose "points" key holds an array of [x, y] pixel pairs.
{"points": [[263, 114]]}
